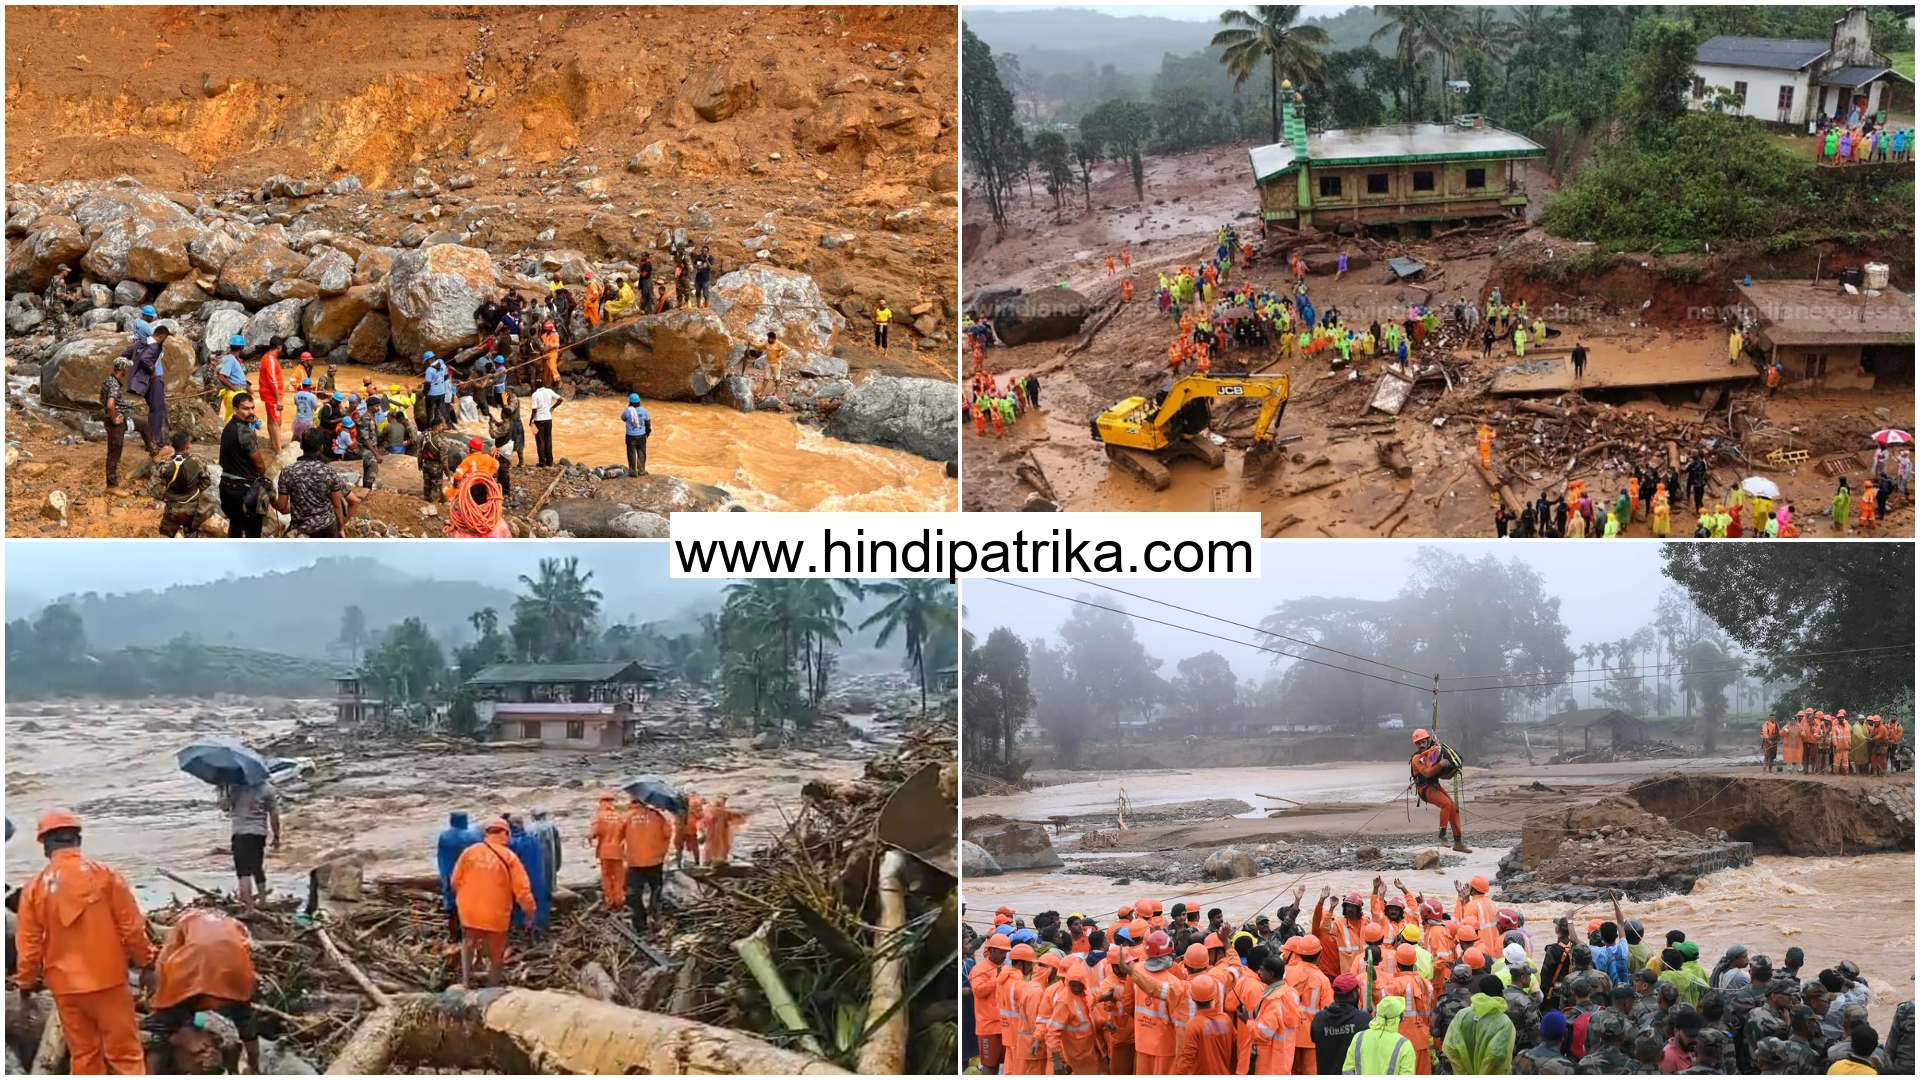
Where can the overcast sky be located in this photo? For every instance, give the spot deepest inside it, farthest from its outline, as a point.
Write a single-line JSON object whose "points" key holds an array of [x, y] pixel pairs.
{"points": [[1187, 12], [1606, 591]]}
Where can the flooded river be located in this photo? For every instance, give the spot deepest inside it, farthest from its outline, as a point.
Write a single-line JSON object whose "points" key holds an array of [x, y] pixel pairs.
{"points": [[765, 459], [112, 763]]}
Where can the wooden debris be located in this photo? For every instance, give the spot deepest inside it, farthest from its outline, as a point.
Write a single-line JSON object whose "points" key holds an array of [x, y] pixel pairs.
{"points": [[1393, 455], [1394, 509]]}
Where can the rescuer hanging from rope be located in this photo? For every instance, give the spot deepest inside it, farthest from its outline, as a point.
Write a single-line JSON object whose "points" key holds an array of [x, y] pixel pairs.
{"points": [[1433, 763]]}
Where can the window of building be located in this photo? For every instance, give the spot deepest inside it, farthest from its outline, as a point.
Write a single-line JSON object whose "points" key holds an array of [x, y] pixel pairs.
{"points": [[1740, 92], [1329, 187], [1377, 183], [529, 729], [1476, 178], [1699, 88], [1423, 181], [1786, 98], [576, 729]]}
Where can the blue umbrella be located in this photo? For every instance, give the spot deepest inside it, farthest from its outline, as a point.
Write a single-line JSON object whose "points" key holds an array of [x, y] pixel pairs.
{"points": [[655, 792], [221, 763]]}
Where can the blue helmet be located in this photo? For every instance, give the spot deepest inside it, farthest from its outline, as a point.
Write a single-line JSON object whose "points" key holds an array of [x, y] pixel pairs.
{"points": [[428, 355], [633, 399], [237, 342], [148, 311]]}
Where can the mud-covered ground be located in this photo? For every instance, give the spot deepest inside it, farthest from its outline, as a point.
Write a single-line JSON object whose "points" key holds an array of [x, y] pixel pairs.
{"points": [[1332, 481]]}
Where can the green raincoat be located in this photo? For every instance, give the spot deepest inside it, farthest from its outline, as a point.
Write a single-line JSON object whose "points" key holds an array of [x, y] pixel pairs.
{"points": [[1480, 1039], [1381, 1050]]}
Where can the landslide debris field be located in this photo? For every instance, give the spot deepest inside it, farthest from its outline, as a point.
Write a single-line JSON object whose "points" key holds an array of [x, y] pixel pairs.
{"points": [[351, 181], [1352, 470]]}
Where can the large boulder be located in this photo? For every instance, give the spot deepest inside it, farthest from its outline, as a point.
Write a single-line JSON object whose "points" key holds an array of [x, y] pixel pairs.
{"points": [[374, 264], [1047, 315], [679, 356], [370, 339], [124, 211], [915, 415], [274, 323], [752, 301], [600, 519], [975, 862], [251, 272], [180, 298], [210, 250], [161, 255], [661, 494], [431, 294], [71, 377], [330, 320], [222, 325], [567, 264], [1229, 863], [721, 90], [330, 271], [55, 242], [1016, 845]]}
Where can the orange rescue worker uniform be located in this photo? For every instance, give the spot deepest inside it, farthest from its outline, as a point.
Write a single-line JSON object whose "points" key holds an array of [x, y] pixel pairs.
{"points": [[1278, 1020], [1207, 1049], [1477, 908], [1416, 1023], [983, 982], [79, 930], [1347, 935], [646, 835], [1314, 991], [487, 882], [1769, 742], [717, 831], [207, 964], [1394, 927], [605, 838], [1116, 1002], [1070, 1034], [550, 357], [594, 292], [1438, 938], [687, 839], [1159, 996], [1017, 995], [1126, 290], [1427, 763]]}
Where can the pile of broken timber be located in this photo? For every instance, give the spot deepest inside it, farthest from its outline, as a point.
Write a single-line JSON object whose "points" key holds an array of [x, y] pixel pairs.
{"points": [[1571, 437]]}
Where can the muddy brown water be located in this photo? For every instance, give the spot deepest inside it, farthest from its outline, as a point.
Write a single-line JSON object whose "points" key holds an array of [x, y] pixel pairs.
{"points": [[113, 764], [766, 460]]}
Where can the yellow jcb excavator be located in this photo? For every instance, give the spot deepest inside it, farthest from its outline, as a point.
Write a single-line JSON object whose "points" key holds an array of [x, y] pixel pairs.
{"points": [[1146, 435]]}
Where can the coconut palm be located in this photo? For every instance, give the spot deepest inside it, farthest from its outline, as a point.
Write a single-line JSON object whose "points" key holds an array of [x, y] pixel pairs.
{"points": [[914, 607], [1420, 30], [555, 620], [1267, 32]]}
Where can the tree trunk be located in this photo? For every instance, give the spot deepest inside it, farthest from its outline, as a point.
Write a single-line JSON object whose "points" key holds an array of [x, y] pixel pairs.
{"points": [[1273, 81]]}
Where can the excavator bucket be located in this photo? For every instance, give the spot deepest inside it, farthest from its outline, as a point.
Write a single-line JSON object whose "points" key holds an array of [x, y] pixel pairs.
{"points": [[919, 820], [1259, 461]]}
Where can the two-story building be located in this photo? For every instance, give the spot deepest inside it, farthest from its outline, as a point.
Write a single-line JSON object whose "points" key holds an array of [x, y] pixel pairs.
{"points": [[591, 706], [1391, 175]]}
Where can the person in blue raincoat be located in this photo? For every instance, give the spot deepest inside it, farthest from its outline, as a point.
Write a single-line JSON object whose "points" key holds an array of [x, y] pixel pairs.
{"points": [[457, 837], [527, 846]]}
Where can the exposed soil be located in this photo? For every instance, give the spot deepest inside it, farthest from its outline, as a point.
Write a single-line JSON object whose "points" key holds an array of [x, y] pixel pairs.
{"points": [[1332, 481], [1783, 815]]}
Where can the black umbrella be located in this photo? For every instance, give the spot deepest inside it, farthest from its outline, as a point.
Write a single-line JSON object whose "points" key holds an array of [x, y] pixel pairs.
{"points": [[655, 792], [221, 763]]}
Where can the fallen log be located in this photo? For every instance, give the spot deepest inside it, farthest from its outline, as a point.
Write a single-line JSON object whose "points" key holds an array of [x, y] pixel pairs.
{"points": [[884, 1053], [1394, 509], [201, 889], [374, 993], [1393, 455], [1036, 478], [1442, 494], [1282, 525], [1397, 522], [1315, 486], [53, 1046], [1494, 483], [378, 1039], [1543, 410], [596, 983]]}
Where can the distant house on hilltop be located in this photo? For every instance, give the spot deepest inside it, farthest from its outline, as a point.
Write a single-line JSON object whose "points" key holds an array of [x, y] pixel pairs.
{"points": [[588, 706], [1793, 82]]}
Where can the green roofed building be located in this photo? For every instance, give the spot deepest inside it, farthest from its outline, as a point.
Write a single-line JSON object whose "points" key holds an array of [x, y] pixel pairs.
{"points": [[1391, 175]]}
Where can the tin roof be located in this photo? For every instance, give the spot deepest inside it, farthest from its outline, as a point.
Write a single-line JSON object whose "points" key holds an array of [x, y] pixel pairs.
{"points": [[1798, 313], [1777, 53], [1859, 76], [1270, 161], [609, 671], [1393, 144]]}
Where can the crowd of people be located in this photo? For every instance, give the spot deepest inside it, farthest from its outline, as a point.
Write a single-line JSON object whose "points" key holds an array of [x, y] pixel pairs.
{"points": [[1860, 138], [1833, 744], [79, 928], [1397, 983]]}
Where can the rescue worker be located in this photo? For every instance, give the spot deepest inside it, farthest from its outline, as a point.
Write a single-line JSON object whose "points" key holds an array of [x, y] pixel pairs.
{"points": [[646, 833], [1416, 1012], [1314, 991], [1432, 764], [1769, 744], [488, 882], [687, 839], [1278, 1020], [1473, 904], [1069, 1034], [1207, 1047], [550, 355], [1344, 936], [207, 964], [230, 376], [1016, 987], [592, 308], [455, 839], [983, 982], [607, 839], [547, 835], [716, 831], [1480, 1039], [1159, 994], [79, 929]]}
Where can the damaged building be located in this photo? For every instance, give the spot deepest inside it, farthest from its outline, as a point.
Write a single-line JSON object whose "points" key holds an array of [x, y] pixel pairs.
{"points": [[582, 706], [1825, 337]]}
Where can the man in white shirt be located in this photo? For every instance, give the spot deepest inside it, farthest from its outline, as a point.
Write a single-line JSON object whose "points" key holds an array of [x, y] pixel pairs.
{"points": [[544, 400]]}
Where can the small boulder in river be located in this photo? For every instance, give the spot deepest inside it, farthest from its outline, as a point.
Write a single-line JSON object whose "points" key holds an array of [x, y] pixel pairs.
{"points": [[1229, 863], [658, 493], [976, 862], [915, 415]]}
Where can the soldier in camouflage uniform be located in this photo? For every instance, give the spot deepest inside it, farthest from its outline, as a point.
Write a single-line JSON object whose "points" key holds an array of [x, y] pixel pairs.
{"points": [[440, 454], [1742, 1003], [1807, 1033], [1582, 969], [1646, 1000], [1577, 993], [1770, 1056], [1772, 1019], [1647, 1049], [1543, 1057], [1900, 1040], [1709, 1055], [1458, 996], [1606, 1046], [1855, 1016], [1666, 998], [1523, 1007]]}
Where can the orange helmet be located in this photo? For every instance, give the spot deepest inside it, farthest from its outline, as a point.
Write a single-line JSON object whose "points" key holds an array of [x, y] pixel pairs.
{"points": [[1159, 944], [1125, 914], [1420, 735], [1373, 932], [1406, 954], [1022, 951], [1479, 883], [1197, 956], [1203, 988], [1138, 930], [55, 819], [1475, 959], [1304, 945], [999, 941]]}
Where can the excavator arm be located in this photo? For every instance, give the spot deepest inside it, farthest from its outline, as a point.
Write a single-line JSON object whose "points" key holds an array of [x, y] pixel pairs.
{"points": [[1271, 387]]}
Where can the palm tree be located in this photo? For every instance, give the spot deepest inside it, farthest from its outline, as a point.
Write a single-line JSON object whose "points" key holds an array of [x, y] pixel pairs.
{"points": [[1493, 37], [1266, 32], [1421, 29], [555, 621], [914, 608]]}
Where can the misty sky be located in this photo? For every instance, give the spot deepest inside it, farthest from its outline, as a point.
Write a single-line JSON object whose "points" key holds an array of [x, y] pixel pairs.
{"points": [[1606, 591], [1185, 12], [41, 571]]}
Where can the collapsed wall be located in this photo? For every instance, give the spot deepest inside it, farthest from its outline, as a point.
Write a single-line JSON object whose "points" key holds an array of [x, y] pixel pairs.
{"points": [[1577, 853], [1781, 815]]}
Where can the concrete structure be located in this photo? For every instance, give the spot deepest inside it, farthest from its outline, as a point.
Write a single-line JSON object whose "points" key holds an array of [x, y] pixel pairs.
{"points": [[1391, 175], [352, 705], [583, 706], [1624, 728], [1827, 339], [1792, 82]]}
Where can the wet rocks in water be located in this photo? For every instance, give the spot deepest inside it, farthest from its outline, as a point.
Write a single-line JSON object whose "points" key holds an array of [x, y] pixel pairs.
{"points": [[767, 740], [1427, 860], [679, 356], [752, 301], [1229, 863], [975, 861], [662, 494], [599, 519], [1015, 845], [915, 415]]}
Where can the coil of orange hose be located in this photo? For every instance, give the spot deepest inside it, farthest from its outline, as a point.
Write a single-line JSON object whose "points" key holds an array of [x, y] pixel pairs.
{"points": [[471, 517]]}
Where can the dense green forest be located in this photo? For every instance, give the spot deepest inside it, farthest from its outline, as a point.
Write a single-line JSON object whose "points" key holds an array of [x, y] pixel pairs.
{"points": [[1602, 87], [49, 656]]}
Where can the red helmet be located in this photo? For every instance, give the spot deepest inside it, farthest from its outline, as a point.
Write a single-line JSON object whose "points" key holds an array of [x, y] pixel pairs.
{"points": [[1507, 919], [1352, 898], [1159, 944], [1430, 909]]}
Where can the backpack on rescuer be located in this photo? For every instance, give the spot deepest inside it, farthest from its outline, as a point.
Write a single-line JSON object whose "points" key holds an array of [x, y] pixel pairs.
{"points": [[1450, 763]]}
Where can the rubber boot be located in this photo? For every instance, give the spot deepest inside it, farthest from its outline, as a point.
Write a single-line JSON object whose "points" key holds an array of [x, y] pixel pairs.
{"points": [[1461, 847]]}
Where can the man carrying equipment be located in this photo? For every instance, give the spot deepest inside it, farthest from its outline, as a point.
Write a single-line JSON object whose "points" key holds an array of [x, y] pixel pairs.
{"points": [[1434, 762]]}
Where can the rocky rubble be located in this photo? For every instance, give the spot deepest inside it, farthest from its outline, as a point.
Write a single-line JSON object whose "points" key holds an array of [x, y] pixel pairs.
{"points": [[1578, 853]]}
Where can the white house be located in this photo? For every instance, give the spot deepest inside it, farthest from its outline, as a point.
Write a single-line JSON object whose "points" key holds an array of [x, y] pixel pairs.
{"points": [[1794, 82]]}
